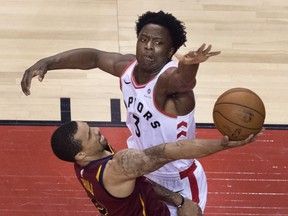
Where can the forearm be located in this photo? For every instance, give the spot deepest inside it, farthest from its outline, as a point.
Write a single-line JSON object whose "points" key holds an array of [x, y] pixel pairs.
{"points": [[168, 196], [193, 148], [184, 205], [188, 72], [82, 58], [138, 162], [134, 163], [189, 63]]}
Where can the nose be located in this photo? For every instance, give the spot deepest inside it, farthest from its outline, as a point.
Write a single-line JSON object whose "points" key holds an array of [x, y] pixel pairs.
{"points": [[149, 44], [96, 130]]}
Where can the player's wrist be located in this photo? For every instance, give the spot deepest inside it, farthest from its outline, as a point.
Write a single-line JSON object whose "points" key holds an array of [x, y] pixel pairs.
{"points": [[181, 202]]}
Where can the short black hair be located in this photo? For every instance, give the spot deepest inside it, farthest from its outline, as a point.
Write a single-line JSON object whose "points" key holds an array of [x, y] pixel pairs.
{"points": [[167, 20], [63, 144]]}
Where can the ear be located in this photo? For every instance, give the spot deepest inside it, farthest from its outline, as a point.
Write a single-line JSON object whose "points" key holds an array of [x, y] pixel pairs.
{"points": [[80, 156], [171, 52]]}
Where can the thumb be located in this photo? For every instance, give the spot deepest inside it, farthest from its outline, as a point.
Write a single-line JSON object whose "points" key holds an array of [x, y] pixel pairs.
{"points": [[225, 141], [41, 77]]}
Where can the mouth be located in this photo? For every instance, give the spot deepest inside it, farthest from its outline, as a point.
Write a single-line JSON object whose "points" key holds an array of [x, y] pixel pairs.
{"points": [[148, 58]]}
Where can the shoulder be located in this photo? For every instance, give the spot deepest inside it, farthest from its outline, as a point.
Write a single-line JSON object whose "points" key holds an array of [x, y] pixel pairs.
{"points": [[120, 173], [126, 163], [168, 70], [123, 62]]}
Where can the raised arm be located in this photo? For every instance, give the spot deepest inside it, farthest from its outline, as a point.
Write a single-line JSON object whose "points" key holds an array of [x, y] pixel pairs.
{"points": [[83, 58], [184, 77]]}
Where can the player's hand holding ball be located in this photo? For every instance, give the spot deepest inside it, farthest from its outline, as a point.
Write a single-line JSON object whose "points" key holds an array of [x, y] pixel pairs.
{"points": [[239, 113]]}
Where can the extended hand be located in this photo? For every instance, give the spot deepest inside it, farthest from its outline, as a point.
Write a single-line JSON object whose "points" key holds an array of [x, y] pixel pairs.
{"points": [[231, 144], [196, 57], [39, 69]]}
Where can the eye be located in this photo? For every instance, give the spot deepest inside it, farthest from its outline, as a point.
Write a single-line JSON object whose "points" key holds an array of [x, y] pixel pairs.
{"points": [[142, 39], [157, 42]]}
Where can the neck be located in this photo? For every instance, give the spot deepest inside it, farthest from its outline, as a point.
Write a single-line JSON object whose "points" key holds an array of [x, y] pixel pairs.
{"points": [[90, 158], [143, 76]]}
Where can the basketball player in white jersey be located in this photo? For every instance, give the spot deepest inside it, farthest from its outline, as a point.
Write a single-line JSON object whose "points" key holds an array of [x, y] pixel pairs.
{"points": [[158, 93]]}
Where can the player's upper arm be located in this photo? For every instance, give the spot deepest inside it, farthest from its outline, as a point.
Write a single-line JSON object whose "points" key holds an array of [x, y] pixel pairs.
{"points": [[113, 63], [132, 163], [126, 165], [121, 172]]}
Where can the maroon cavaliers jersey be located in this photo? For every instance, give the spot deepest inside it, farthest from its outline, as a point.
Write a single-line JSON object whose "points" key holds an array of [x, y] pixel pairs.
{"points": [[142, 202]]}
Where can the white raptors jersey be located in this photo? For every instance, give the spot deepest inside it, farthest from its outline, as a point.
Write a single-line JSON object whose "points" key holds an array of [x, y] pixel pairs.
{"points": [[148, 124]]}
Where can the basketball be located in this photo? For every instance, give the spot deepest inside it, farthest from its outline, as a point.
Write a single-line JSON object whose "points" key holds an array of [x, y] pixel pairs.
{"points": [[239, 112]]}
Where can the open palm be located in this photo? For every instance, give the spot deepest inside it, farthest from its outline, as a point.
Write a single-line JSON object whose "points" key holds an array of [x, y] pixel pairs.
{"points": [[196, 57]]}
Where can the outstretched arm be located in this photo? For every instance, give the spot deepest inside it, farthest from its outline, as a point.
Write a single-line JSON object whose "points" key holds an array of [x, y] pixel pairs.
{"points": [[189, 63], [83, 58], [128, 164], [131, 163], [184, 77], [185, 207]]}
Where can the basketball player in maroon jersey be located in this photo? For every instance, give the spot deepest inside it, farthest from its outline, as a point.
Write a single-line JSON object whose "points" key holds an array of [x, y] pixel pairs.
{"points": [[114, 181]]}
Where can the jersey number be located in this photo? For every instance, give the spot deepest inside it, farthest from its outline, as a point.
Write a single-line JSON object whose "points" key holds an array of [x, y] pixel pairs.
{"points": [[137, 120]]}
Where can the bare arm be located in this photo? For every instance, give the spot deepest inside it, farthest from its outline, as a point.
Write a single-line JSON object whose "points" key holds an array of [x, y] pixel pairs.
{"points": [[167, 195], [83, 58], [121, 172], [184, 77], [185, 207], [131, 163]]}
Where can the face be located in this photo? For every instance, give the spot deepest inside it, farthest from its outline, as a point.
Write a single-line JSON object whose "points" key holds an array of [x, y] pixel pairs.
{"points": [[154, 48], [92, 140]]}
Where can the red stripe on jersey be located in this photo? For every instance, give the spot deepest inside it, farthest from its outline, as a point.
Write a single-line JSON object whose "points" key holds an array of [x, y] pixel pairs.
{"points": [[192, 180]]}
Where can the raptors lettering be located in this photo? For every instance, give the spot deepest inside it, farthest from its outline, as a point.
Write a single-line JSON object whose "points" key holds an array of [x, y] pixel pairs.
{"points": [[140, 109]]}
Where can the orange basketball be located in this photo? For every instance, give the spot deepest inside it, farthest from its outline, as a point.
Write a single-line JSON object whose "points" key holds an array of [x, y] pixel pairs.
{"points": [[239, 112]]}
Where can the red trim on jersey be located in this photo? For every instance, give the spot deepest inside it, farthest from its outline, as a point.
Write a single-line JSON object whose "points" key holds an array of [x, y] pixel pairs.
{"points": [[161, 111], [192, 180], [122, 73], [136, 85]]}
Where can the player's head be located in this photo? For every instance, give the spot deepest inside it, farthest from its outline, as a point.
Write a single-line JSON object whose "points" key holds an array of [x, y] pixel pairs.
{"points": [[76, 142], [175, 27], [63, 144]]}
